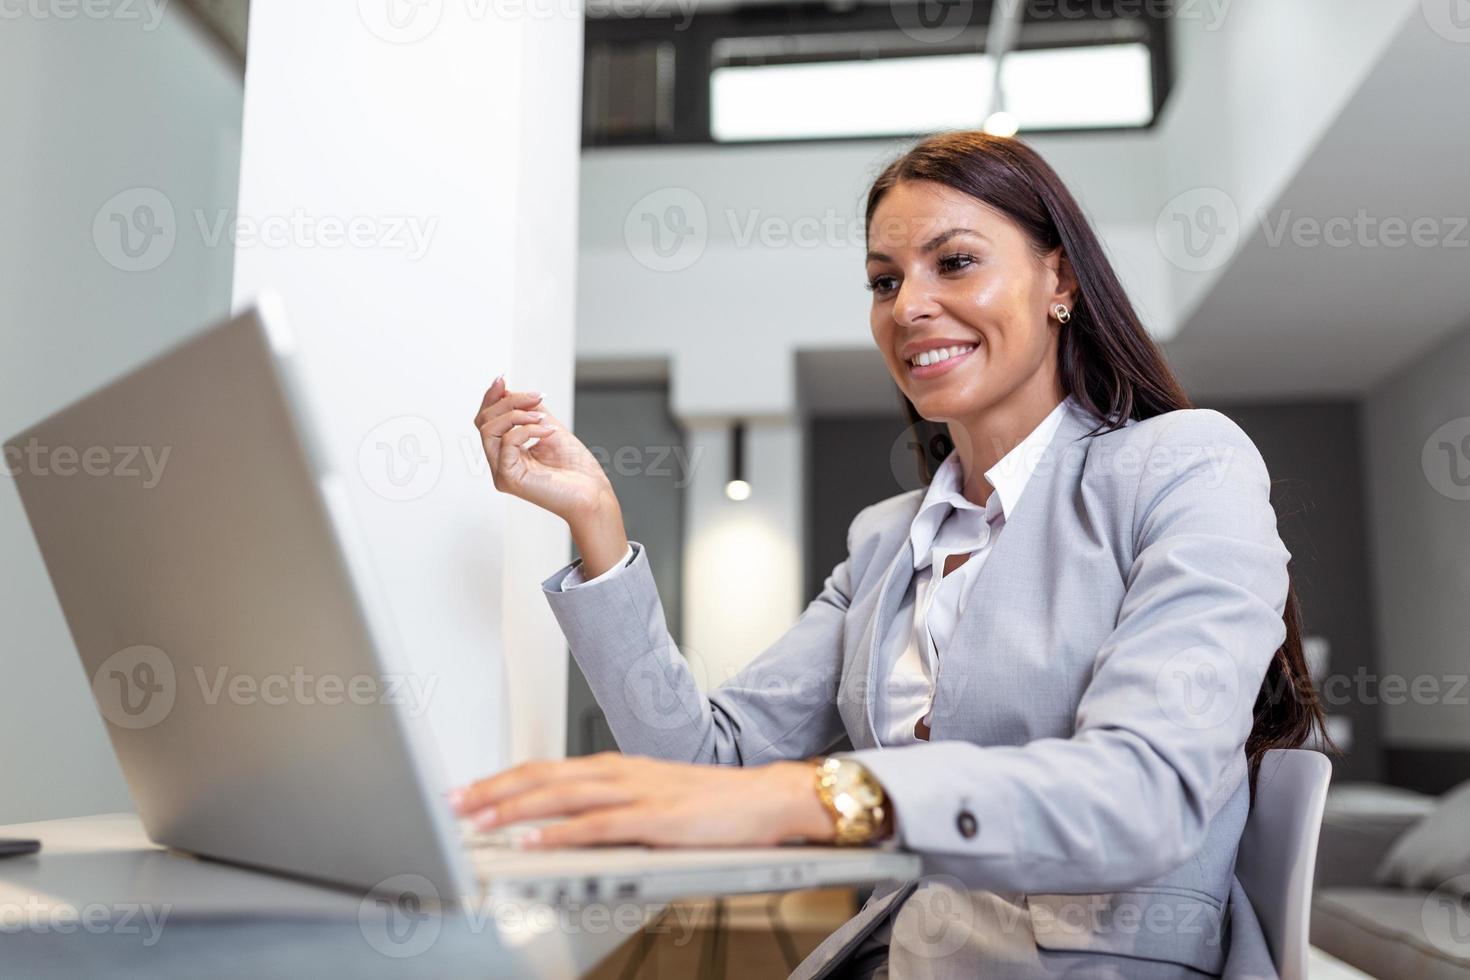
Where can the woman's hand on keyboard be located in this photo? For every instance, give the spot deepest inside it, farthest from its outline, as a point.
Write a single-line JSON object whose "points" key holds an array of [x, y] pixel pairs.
{"points": [[616, 799]]}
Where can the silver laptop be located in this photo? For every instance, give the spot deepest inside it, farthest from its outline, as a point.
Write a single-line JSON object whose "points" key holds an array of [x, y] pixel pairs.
{"points": [[217, 589]]}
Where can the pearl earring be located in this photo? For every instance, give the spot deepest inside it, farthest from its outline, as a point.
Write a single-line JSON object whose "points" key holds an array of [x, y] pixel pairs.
{"points": [[1063, 314]]}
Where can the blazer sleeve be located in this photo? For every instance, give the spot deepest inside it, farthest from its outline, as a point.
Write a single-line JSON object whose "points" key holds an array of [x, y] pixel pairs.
{"points": [[1159, 735], [783, 705]]}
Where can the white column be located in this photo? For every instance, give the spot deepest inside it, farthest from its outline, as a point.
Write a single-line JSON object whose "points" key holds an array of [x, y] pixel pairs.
{"points": [[409, 187]]}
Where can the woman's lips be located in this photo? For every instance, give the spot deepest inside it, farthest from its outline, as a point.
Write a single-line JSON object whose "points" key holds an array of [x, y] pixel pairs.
{"points": [[935, 370]]}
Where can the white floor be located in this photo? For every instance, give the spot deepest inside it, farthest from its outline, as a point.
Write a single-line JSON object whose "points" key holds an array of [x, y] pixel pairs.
{"points": [[1320, 966]]}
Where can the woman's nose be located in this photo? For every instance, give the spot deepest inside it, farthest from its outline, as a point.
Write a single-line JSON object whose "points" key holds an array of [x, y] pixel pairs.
{"points": [[913, 305]]}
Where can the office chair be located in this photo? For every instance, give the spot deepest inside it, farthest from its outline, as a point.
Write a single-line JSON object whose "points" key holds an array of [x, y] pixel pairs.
{"points": [[1278, 851]]}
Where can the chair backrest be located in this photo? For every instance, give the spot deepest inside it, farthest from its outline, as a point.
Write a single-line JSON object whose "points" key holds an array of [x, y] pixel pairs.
{"points": [[1278, 851]]}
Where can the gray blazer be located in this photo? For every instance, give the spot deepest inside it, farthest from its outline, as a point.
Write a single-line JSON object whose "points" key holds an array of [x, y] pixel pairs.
{"points": [[1086, 759]]}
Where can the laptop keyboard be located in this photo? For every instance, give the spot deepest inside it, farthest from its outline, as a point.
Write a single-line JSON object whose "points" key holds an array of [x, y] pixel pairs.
{"points": [[501, 838]]}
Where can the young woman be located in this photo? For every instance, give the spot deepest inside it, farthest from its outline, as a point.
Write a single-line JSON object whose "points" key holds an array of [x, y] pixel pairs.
{"points": [[1056, 667]]}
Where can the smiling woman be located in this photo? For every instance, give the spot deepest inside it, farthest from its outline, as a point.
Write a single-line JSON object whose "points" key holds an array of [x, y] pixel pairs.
{"points": [[1057, 666]]}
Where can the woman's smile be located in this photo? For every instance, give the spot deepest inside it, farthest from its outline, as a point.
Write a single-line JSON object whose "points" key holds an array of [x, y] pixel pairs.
{"points": [[930, 361]]}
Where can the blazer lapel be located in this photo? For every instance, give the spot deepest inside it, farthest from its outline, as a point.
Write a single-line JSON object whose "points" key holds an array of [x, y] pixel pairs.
{"points": [[1060, 461], [1060, 457], [890, 596]]}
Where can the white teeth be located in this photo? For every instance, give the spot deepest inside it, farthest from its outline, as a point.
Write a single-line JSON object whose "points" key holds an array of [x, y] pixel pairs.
{"points": [[929, 357]]}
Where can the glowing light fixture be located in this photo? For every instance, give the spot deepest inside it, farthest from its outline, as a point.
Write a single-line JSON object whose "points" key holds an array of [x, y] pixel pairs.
{"points": [[737, 488]]}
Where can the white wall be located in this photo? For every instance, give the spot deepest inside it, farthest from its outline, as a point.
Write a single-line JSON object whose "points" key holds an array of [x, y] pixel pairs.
{"points": [[451, 142], [93, 108], [1419, 507], [1257, 86]]}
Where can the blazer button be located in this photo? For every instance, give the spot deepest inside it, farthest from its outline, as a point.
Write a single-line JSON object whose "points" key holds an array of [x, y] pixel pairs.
{"points": [[967, 824]]}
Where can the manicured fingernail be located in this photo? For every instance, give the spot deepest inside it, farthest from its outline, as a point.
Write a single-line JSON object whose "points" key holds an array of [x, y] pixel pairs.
{"points": [[498, 378], [486, 819], [531, 838], [538, 395], [552, 428], [538, 416], [456, 798]]}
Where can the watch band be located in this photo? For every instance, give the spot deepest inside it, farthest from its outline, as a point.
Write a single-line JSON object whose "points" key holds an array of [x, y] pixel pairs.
{"points": [[854, 798]]}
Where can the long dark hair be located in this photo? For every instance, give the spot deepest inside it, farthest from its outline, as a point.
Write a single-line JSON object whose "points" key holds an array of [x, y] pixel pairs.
{"points": [[1108, 362]]}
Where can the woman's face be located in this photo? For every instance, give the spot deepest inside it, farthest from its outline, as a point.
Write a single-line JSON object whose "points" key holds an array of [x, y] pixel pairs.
{"points": [[948, 272]]}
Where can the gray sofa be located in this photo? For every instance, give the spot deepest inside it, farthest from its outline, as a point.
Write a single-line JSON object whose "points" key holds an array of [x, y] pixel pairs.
{"points": [[1380, 929]]}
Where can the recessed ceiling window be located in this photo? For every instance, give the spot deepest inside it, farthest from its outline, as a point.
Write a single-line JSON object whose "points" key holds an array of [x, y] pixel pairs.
{"points": [[804, 71], [1064, 88]]}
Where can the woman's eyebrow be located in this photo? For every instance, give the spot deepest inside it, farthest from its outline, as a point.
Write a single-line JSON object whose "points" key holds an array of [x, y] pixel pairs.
{"points": [[932, 243]]}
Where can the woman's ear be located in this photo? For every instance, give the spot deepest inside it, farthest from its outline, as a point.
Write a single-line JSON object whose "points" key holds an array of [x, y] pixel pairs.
{"points": [[1066, 287]]}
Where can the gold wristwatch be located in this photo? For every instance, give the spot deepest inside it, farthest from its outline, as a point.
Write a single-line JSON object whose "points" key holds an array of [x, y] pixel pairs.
{"points": [[856, 801]]}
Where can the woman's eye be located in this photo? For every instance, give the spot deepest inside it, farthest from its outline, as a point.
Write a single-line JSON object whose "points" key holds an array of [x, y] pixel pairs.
{"points": [[956, 263], [880, 284]]}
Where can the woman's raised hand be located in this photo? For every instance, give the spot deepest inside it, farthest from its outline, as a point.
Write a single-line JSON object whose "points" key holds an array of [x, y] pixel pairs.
{"points": [[555, 471]]}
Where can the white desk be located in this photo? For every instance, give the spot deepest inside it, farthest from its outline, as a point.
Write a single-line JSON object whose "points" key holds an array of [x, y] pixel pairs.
{"points": [[101, 900]]}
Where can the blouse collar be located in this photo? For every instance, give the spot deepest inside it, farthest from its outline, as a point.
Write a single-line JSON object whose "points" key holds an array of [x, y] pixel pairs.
{"points": [[1008, 477]]}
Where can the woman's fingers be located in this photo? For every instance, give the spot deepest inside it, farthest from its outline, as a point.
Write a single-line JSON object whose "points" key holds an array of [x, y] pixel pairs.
{"points": [[531, 776], [502, 424], [613, 825], [493, 393], [517, 437], [507, 401], [557, 800]]}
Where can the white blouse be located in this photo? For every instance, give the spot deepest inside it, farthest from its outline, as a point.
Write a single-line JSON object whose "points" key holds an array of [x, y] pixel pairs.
{"points": [[946, 524]]}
